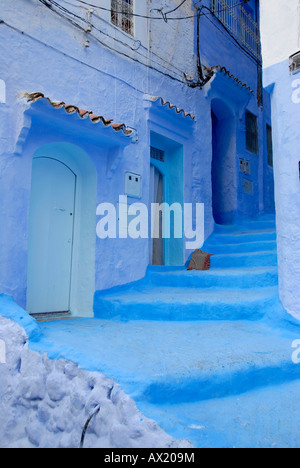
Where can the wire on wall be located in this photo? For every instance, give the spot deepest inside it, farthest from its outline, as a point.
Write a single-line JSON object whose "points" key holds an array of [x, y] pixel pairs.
{"points": [[177, 74], [70, 16]]}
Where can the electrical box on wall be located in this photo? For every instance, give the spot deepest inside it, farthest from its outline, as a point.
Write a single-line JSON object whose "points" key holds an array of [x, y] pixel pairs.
{"points": [[245, 166], [133, 185]]}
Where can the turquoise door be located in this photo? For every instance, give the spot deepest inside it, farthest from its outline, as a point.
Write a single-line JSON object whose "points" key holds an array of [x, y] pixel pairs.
{"points": [[50, 242]]}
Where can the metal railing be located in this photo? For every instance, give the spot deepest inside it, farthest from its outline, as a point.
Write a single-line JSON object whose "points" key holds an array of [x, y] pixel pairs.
{"points": [[239, 23]]}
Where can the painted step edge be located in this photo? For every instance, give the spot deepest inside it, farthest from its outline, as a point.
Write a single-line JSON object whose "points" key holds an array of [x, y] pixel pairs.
{"points": [[247, 247], [256, 309], [219, 384], [214, 278], [242, 238], [249, 259]]}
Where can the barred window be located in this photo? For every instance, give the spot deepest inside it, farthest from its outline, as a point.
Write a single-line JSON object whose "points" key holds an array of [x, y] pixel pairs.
{"points": [[157, 154], [122, 15], [251, 133]]}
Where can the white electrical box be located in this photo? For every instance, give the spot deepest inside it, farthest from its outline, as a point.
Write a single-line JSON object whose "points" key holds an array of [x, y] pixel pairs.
{"points": [[133, 185]]}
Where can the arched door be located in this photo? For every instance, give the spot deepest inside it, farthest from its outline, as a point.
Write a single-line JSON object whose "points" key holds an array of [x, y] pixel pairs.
{"points": [[50, 243]]}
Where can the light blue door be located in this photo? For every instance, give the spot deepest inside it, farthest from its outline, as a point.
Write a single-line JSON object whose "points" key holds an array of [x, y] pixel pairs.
{"points": [[50, 243]]}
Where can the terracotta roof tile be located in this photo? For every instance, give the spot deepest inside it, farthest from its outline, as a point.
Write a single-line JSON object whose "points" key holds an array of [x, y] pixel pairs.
{"points": [[221, 69], [72, 109], [170, 106]]}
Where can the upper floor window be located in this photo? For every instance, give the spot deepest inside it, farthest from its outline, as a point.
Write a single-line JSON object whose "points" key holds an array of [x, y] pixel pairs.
{"points": [[251, 133], [122, 15]]}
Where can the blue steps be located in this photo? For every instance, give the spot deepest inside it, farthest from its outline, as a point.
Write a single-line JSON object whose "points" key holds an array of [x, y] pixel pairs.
{"points": [[186, 304], [242, 283], [217, 278], [240, 260]]}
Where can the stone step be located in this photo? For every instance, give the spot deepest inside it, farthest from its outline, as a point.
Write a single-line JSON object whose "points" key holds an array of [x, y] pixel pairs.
{"points": [[242, 237], [233, 278], [240, 260], [268, 224], [242, 247], [145, 302]]}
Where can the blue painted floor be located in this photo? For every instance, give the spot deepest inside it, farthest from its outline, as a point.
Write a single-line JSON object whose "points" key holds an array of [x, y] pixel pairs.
{"points": [[216, 383], [208, 355]]}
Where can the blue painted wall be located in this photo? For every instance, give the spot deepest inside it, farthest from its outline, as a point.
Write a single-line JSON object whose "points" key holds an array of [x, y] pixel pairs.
{"points": [[285, 94], [44, 52]]}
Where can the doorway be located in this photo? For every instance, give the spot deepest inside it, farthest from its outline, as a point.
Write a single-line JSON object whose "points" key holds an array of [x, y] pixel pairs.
{"points": [[51, 232], [156, 195], [223, 170], [166, 188]]}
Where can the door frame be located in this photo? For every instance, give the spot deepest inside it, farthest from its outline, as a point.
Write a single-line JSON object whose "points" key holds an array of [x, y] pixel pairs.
{"points": [[173, 249]]}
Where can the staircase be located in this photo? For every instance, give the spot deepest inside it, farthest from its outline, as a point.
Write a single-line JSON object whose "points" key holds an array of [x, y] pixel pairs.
{"points": [[242, 283], [206, 354]]}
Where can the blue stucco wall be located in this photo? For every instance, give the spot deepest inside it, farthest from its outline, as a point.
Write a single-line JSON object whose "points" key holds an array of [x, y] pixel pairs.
{"points": [[45, 53], [285, 94]]}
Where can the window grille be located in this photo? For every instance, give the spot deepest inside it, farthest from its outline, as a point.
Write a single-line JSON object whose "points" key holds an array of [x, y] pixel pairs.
{"points": [[122, 15], [157, 154], [239, 23], [251, 133]]}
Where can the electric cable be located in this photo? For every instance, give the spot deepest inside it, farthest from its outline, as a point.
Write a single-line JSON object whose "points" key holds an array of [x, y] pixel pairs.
{"points": [[179, 73], [160, 10]]}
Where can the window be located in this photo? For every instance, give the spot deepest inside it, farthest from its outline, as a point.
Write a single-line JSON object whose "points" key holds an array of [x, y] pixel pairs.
{"points": [[241, 21], [270, 145], [122, 15], [157, 154], [251, 133]]}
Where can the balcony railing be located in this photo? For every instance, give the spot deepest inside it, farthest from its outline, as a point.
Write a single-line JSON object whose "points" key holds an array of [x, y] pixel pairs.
{"points": [[239, 23]]}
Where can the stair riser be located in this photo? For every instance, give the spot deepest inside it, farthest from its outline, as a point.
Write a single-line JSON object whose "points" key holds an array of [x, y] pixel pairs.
{"points": [[204, 280], [248, 261], [242, 238], [182, 311], [221, 385], [239, 248], [258, 226]]}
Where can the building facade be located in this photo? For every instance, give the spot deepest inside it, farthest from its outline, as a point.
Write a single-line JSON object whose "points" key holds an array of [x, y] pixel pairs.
{"points": [[281, 58], [112, 103]]}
